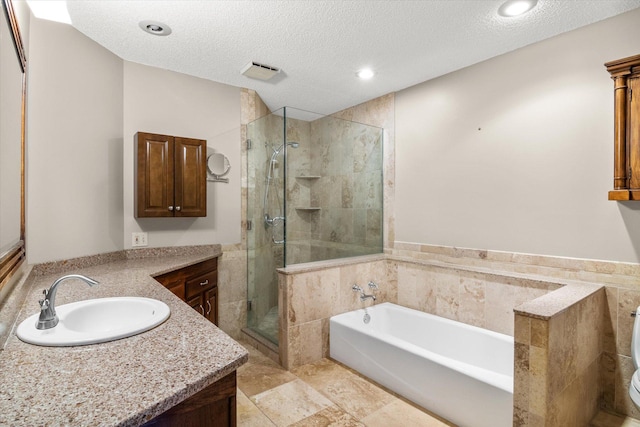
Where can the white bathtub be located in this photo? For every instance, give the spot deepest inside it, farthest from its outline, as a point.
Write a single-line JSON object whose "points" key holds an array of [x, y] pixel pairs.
{"points": [[460, 372]]}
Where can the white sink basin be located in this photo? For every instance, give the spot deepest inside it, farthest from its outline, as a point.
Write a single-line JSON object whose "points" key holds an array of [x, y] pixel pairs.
{"points": [[95, 321]]}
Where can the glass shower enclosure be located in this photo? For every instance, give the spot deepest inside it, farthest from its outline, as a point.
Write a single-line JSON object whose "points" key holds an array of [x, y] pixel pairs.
{"points": [[314, 193]]}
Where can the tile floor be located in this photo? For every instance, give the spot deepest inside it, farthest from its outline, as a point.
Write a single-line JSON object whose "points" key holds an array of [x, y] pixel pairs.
{"points": [[324, 393]]}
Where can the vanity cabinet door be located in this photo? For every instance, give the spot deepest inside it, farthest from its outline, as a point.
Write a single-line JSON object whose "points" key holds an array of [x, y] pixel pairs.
{"points": [[171, 176], [197, 303], [197, 285], [211, 304]]}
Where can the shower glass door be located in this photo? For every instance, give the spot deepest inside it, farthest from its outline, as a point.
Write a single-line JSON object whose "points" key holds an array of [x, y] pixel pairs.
{"points": [[314, 193], [265, 210]]}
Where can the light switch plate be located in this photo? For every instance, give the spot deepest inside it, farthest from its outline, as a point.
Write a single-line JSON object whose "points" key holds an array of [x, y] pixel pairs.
{"points": [[139, 239]]}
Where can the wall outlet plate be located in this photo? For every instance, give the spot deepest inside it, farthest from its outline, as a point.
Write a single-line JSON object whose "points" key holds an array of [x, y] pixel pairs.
{"points": [[139, 239]]}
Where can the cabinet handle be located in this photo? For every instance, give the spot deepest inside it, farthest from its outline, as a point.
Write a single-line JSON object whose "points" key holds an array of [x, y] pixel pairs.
{"points": [[205, 283], [178, 208], [202, 309], [209, 309], [170, 208]]}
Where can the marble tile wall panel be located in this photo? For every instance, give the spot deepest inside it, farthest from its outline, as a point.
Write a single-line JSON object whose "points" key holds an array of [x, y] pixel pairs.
{"points": [[232, 290], [309, 299], [622, 295], [380, 112], [557, 365], [480, 299]]}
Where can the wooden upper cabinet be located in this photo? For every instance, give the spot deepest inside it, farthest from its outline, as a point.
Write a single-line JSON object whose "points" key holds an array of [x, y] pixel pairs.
{"points": [[171, 176], [626, 174]]}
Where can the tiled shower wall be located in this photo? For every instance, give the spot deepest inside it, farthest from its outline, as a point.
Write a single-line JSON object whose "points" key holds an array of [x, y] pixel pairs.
{"points": [[334, 192]]}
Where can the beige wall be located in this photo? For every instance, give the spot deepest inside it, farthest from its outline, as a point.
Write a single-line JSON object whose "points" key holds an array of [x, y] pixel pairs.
{"points": [[516, 153], [74, 150], [85, 105], [170, 103]]}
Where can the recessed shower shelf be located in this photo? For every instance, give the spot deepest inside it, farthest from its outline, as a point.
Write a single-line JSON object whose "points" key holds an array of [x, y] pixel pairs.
{"points": [[309, 209], [309, 177]]}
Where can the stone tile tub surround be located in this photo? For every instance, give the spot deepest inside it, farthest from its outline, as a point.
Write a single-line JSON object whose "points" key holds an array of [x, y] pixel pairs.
{"points": [[558, 349], [312, 293], [571, 313], [622, 295], [124, 382]]}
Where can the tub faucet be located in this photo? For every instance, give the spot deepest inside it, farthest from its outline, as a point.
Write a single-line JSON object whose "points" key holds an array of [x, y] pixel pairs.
{"points": [[48, 317], [363, 296]]}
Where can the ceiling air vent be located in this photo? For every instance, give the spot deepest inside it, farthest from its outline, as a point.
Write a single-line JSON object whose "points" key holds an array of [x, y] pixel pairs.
{"points": [[259, 71]]}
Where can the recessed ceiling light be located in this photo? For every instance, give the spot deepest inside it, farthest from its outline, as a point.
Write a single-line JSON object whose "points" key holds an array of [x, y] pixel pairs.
{"points": [[365, 73], [513, 8], [156, 28]]}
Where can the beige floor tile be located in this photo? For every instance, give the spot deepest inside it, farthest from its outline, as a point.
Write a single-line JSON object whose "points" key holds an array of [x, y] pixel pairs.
{"points": [[355, 395], [248, 414], [291, 402], [331, 416], [322, 394], [322, 373], [400, 413], [255, 378]]}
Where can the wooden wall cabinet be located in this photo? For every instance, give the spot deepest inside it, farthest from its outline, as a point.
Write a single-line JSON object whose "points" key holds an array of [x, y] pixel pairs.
{"points": [[171, 176], [626, 175], [197, 285]]}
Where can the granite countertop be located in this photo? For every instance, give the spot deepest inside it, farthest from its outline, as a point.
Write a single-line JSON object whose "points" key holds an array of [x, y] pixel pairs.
{"points": [[125, 382]]}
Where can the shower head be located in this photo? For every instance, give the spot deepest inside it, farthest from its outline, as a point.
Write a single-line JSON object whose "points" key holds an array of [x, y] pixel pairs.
{"points": [[293, 144]]}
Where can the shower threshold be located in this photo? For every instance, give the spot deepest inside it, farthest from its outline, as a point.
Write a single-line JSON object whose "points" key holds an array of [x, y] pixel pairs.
{"points": [[261, 343]]}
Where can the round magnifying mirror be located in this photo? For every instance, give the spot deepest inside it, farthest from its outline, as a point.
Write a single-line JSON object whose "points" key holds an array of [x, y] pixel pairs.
{"points": [[218, 164]]}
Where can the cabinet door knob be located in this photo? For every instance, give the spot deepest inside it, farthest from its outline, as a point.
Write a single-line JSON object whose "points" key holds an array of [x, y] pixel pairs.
{"points": [[178, 208], [170, 208], [205, 283], [209, 307]]}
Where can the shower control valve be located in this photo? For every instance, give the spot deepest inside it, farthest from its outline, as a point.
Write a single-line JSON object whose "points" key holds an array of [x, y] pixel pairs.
{"points": [[356, 288], [372, 285]]}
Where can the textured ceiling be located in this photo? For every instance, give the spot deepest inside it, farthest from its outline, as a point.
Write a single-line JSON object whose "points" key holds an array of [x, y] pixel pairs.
{"points": [[319, 45]]}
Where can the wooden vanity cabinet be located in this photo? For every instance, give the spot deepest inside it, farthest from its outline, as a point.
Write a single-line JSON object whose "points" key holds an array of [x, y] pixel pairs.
{"points": [[214, 406], [626, 140], [171, 176], [197, 285]]}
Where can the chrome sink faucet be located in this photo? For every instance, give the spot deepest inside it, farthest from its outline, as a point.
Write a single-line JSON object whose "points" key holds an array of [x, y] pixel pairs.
{"points": [[363, 296], [48, 318]]}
